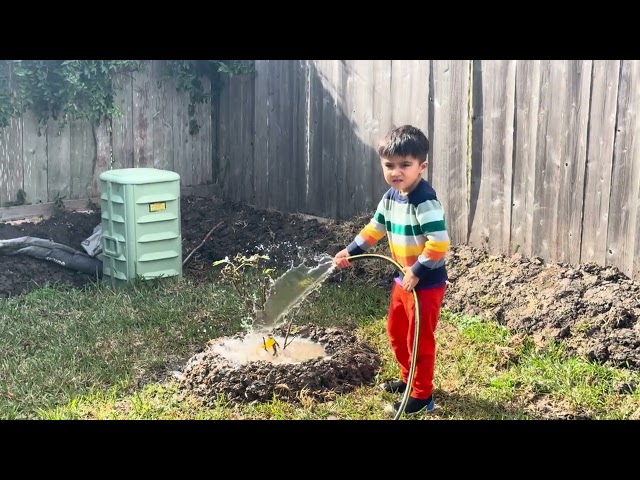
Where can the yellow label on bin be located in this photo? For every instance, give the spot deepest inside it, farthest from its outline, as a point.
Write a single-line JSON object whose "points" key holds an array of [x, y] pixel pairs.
{"points": [[158, 206]]}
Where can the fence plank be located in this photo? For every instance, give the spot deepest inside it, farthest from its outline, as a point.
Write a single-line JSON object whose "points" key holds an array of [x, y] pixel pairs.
{"points": [[279, 133], [11, 153], [410, 96], [206, 136], [322, 188], [623, 208], [261, 146], [162, 115], [288, 104], [553, 77], [314, 194], [182, 139], [347, 139], [247, 135], [298, 134], [602, 123], [227, 171], [11, 175], [200, 154], [274, 183], [409, 93], [11, 162], [122, 125], [562, 142], [103, 158], [235, 138], [574, 155], [34, 144], [348, 168], [450, 142], [380, 124], [305, 75], [492, 169], [143, 102], [525, 162], [330, 76], [82, 158], [362, 77], [59, 161]]}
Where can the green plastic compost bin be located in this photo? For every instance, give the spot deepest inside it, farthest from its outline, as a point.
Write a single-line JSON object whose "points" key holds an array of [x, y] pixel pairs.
{"points": [[141, 228]]}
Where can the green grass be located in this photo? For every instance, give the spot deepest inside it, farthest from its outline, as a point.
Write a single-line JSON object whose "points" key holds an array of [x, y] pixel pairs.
{"points": [[100, 354]]}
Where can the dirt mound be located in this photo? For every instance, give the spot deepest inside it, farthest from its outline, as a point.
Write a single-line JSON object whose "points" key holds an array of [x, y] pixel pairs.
{"points": [[594, 310], [287, 239], [348, 364], [21, 273]]}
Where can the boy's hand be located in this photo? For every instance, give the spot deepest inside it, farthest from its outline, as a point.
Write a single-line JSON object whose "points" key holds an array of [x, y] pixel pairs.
{"points": [[341, 259], [409, 280]]}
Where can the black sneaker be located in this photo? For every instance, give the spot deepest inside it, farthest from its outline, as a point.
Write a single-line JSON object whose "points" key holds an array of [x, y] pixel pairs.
{"points": [[415, 405], [394, 386]]}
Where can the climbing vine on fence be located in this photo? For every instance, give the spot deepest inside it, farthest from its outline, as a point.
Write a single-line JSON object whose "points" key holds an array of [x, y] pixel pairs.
{"points": [[189, 74], [66, 90], [62, 90]]}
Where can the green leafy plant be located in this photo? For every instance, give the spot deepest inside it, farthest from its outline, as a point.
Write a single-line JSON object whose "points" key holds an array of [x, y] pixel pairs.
{"points": [[66, 90], [241, 273], [63, 90], [251, 281], [21, 197], [188, 75], [8, 106], [58, 202]]}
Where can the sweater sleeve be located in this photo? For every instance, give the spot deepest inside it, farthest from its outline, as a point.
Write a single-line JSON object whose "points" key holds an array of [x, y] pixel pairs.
{"points": [[370, 234], [430, 216]]}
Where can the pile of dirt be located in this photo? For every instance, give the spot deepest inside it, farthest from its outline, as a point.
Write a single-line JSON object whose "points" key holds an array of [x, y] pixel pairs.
{"points": [[594, 310], [237, 228], [348, 363], [20, 274]]}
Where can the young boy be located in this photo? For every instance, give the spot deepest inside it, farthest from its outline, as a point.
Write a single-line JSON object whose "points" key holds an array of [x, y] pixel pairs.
{"points": [[413, 219]]}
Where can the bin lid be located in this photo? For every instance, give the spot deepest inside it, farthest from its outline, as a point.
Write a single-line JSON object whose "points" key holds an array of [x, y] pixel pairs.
{"points": [[137, 176]]}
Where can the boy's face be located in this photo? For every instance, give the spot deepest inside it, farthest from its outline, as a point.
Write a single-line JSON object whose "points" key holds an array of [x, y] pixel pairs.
{"points": [[402, 173]]}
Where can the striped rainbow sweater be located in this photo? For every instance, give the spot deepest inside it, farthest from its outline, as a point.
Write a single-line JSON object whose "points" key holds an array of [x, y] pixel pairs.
{"points": [[415, 226]]}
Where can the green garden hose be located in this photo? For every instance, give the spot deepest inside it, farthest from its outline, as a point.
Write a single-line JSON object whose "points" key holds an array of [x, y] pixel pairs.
{"points": [[416, 336]]}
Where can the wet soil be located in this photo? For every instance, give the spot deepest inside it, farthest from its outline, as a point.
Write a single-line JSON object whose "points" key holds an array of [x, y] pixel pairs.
{"points": [[347, 364], [593, 310]]}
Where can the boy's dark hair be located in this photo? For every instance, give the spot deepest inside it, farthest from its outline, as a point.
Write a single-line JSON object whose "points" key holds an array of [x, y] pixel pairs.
{"points": [[405, 141]]}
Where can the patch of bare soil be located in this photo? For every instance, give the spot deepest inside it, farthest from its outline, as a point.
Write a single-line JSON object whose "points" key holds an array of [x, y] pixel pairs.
{"points": [[594, 310], [347, 364], [21, 273]]}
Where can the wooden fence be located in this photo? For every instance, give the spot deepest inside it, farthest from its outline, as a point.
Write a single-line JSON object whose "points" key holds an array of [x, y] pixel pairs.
{"points": [[537, 157], [532, 156], [50, 162]]}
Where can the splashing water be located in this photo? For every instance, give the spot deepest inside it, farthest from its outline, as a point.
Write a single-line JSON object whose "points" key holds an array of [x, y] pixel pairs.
{"points": [[289, 291]]}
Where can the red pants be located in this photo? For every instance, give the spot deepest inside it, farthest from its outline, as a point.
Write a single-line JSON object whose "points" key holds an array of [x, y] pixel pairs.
{"points": [[400, 328]]}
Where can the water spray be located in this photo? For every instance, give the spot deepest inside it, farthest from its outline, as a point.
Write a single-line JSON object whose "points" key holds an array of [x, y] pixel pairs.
{"points": [[296, 284], [416, 336]]}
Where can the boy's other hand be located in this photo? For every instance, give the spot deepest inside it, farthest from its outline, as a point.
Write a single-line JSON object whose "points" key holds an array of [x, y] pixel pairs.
{"points": [[409, 281], [341, 259]]}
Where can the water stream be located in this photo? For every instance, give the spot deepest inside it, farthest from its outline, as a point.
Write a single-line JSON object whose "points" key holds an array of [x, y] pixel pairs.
{"points": [[289, 291]]}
